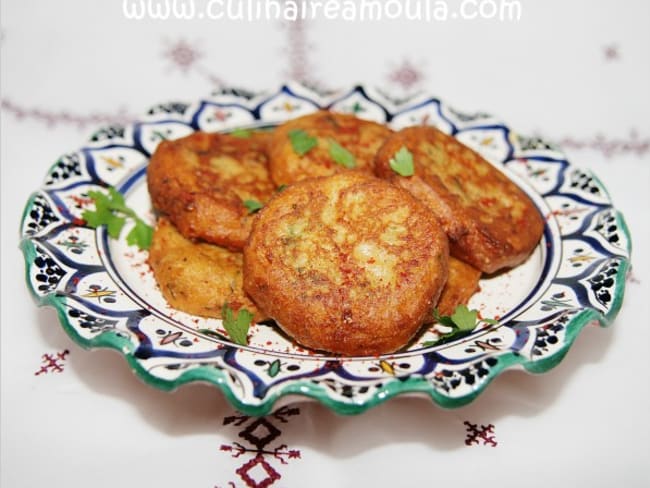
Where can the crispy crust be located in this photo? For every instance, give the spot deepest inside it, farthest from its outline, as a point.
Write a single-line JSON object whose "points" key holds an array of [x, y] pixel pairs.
{"points": [[201, 181], [348, 264], [197, 278], [461, 284], [361, 137], [491, 223]]}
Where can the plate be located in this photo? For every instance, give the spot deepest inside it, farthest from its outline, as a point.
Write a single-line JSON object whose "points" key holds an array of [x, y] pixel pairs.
{"points": [[106, 297]]}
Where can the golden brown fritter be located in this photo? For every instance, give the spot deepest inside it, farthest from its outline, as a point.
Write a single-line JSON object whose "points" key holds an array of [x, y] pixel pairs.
{"points": [[491, 223], [202, 181], [197, 277], [348, 263], [331, 132], [461, 284]]}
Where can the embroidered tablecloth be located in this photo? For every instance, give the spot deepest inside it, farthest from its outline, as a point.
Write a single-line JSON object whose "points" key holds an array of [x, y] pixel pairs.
{"points": [[573, 73]]}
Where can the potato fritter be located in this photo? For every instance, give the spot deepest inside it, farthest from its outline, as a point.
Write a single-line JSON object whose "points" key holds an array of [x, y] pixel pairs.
{"points": [[197, 277], [461, 284], [348, 263], [322, 144], [491, 223], [202, 182]]}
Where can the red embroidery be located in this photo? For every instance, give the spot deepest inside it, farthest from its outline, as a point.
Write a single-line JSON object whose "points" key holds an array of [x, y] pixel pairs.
{"points": [[611, 52], [260, 434], [476, 435], [53, 363], [183, 55], [633, 144], [406, 75], [299, 68], [53, 118]]}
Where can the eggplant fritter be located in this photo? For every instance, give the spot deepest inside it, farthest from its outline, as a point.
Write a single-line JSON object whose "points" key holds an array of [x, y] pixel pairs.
{"points": [[197, 277], [322, 144], [202, 182], [348, 263], [491, 223]]}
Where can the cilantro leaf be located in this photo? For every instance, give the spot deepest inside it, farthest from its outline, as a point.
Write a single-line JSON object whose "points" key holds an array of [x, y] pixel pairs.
{"points": [[252, 206], [236, 326], [464, 318], [114, 225], [462, 322], [141, 235], [402, 162], [302, 142], [111, 210], [100, 216], [443, 319], [281, 188], [116, 201], [341, 155]]}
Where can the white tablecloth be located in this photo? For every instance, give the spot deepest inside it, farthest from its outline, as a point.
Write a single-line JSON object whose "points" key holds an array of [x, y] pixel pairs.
{"points": [[576, 73]]}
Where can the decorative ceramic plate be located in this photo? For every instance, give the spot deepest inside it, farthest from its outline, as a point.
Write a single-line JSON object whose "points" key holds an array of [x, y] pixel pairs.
{"points": [[105, 294]]}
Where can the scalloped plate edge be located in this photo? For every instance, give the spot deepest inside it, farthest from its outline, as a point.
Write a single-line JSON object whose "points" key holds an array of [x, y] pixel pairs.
{"points": [[418, 385]]}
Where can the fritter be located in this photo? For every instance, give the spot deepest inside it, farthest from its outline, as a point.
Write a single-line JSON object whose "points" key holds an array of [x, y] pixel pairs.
{"points": [[203, 182], [322, 144], [348, 263], [197, 277], [462, 283], [491, 223]]}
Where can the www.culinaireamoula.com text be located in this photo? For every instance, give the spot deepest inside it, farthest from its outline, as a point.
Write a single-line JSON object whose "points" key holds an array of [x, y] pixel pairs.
{"points": [[346, 10]]}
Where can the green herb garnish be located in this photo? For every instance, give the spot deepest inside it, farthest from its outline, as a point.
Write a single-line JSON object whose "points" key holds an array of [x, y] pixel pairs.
{"points": [[243, 133], [462, 322], [402, 162], [236, 326], [302, 142], [281, 188], [111, 211], [341, 155], [252, 205]]}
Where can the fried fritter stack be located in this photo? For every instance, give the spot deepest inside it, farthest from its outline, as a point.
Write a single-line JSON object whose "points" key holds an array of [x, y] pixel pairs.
{"points": [[353, 254]]}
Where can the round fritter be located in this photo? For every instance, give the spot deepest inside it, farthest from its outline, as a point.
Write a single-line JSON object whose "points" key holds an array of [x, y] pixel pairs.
{"points": [[462, 283], [348, 263], [491, 223], [202, 182], [322, 144], [197, 277]]}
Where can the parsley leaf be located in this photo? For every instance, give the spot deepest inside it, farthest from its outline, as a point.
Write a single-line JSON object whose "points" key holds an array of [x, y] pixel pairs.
{"points": [[141, 235], [462, 322], [111, 210], [236, 326], [464, 318], [341, 155], [443, 319], [252, 206], [302, 142], [402, 162]]}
